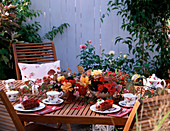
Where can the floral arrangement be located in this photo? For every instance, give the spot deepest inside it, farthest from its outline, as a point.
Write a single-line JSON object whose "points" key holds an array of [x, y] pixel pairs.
{"points": [[107, 81], [76, 85]]}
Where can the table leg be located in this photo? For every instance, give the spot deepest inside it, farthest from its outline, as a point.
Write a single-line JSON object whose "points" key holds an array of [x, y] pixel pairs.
{"points": [[68, 127]]}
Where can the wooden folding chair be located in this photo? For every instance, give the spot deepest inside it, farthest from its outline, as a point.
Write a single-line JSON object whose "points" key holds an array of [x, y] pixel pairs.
{"points": [[152, 113], [9, 120], [33, 53], [130, 122]]}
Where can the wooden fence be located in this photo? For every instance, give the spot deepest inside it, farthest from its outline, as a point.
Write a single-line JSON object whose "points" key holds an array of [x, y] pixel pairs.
{"points": [[83, 16]]}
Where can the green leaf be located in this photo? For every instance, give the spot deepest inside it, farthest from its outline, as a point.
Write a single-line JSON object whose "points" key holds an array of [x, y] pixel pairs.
{"points": [[108, 9], [161, 122], [109, 2], [2, 33], [5, 59]]}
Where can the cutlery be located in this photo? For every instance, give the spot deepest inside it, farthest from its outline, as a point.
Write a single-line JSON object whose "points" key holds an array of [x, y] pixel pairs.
{"points": [[48, 110], [121, 111]]}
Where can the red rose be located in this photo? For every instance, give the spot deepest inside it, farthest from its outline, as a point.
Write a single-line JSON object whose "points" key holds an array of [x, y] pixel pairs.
{"points": [[100, 87], [78, 84], [102, 79], [108, 86], [122, 82], [112, 90]]}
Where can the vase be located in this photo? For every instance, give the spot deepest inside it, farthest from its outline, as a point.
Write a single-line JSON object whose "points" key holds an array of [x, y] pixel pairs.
{"points": [[100, 94], [70, 97]]}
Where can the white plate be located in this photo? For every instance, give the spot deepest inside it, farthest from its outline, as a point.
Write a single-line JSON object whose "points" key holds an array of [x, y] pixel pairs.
{"points": [[45, 101], [114, 108], [122, 103], [18, 107]]}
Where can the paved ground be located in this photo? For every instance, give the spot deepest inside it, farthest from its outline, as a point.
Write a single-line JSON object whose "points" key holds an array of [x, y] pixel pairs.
{"points": [[74, 127]]}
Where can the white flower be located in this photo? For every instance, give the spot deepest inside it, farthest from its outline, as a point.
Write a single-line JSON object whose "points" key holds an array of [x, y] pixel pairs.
{"points": [[6, 13], [52, 76], [10, 5], [124, 56], [96, 72], [112, 52], [134, 77]]}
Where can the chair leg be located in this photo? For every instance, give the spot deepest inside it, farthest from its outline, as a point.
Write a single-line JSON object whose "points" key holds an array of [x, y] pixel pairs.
{"points": [[59, 125], [68, 127]]}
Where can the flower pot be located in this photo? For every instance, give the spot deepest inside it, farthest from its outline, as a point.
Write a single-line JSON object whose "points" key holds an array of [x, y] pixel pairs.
{"points": [[100, 94]]}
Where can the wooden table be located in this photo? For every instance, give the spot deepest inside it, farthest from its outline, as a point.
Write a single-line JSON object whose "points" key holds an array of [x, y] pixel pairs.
{"points": [[68, 115]]}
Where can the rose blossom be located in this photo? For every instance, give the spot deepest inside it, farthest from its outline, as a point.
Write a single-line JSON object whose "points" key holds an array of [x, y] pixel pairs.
{"points": [[89, 41], [82, 46], [112, 52]]}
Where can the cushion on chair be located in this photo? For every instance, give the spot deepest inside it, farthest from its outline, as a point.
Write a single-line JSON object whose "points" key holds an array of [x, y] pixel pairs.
{"points": [[35, 71]]}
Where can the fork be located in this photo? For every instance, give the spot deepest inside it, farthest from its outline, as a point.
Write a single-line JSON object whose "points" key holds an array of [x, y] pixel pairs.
{"points": [[121, 111]]}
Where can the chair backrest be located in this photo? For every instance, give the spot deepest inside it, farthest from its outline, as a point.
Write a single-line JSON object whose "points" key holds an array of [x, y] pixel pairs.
{"points": [[152, 112], [33, 53], [130, 122], [9, 121]]}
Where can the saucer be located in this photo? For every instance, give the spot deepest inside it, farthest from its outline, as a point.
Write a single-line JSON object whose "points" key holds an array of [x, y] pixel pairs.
{"points": [[46, 101], [122, 103]]}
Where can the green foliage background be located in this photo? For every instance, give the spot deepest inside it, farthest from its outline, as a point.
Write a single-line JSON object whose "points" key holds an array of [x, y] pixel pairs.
{"points": [[14, 29], [146, 22]]}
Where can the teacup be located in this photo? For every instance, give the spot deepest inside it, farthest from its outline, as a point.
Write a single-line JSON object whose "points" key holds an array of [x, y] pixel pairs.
{"points": [[53, 96], [12, 95], [9, 84], [129, 99]]}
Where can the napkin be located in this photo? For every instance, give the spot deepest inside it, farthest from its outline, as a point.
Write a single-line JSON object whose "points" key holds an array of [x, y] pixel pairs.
{"points": [[48, 109], [121, 113]]}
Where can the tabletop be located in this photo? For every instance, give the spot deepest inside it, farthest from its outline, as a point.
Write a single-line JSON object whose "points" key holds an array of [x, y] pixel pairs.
{"points": [[68, 114]]}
